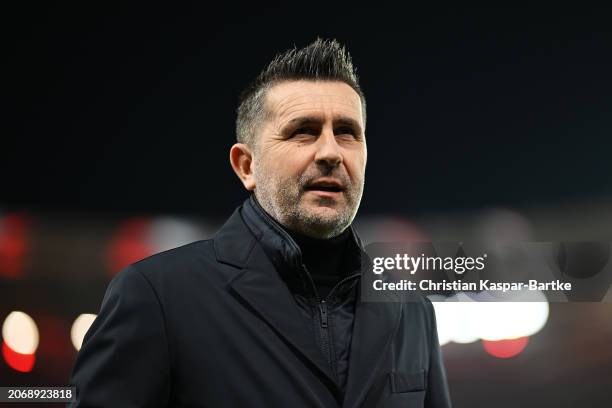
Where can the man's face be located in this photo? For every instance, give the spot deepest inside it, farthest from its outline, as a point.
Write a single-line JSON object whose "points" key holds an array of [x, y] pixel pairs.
{"points": [[310, 156]]}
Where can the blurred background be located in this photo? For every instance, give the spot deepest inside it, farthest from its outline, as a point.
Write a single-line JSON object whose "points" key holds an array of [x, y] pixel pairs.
{"points": [[482, 124]]}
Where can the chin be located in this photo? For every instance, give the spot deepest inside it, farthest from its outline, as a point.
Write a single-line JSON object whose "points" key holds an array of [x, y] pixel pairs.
{"points": [[324, 220], [325, 214]]}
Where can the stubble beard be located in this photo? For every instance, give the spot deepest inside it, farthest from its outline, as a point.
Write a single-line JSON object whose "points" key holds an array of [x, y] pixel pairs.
{"points": [[284, 199]]}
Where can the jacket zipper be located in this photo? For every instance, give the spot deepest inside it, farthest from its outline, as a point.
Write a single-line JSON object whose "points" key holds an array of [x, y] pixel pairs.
{"points": [[324, 333], [323, 308]]}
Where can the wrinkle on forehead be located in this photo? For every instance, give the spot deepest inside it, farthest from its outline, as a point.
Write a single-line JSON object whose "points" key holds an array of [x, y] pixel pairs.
{"points": [[288, 100]]}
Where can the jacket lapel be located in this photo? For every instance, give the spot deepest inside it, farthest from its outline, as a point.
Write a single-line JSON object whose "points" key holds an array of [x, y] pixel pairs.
{"points": [[374, 328], [261, 287]]}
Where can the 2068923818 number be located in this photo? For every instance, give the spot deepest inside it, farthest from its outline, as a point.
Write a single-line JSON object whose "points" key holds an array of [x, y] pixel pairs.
{"points": [[37, 394]]}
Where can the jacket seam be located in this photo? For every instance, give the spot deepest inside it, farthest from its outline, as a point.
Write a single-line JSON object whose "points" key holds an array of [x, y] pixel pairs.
{"points": [[332, 346], [165, 331]]}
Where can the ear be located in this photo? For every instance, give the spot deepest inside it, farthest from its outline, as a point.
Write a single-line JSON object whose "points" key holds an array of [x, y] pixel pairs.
{"points": [[241, 159]]}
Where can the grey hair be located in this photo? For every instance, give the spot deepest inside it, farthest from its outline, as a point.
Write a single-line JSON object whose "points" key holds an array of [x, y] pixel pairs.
{"points": [[322, 60]]}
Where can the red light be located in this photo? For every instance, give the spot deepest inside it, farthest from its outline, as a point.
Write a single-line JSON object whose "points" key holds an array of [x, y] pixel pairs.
{"points": [[505, 348], [20, 362], [129, 245], [12, 245]]}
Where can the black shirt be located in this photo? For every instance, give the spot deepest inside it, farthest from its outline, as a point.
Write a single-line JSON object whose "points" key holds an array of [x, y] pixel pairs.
{"points": [[323, 259]]}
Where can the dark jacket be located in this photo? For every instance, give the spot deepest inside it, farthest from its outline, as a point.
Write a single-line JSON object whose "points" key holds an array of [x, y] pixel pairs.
{"points": [[232, 322]]}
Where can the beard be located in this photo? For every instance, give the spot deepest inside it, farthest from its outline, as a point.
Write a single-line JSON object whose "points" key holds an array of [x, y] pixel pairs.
{"points": [[284, 199]]}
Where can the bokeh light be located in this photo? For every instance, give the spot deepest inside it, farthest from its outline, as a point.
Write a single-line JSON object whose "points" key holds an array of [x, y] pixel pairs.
{"points": [[505, 348], [17, 361], [129, 244], [464, 319], [80, 326], [20, 333], [20, 341], [13, 244]]}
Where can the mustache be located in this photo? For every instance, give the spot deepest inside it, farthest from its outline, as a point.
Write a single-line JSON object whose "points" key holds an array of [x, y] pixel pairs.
{"points": [[308, 178]]}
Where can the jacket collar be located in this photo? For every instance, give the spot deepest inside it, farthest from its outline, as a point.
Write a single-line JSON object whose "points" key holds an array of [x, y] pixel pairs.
{"points": [[283, 251]]}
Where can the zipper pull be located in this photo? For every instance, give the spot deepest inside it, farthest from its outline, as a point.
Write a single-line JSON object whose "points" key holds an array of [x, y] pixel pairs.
{"points": [[323, 313]]}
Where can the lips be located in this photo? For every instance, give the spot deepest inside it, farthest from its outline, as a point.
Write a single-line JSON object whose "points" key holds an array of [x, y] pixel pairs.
{"points": [[329, 185]]}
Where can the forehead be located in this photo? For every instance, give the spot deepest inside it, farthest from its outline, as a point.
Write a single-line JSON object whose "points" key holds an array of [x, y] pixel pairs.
{"points": [[289, 99]]}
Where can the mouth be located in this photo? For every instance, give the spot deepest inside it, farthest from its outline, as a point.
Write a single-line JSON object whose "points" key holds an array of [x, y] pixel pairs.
{"points": [[329, 186]]}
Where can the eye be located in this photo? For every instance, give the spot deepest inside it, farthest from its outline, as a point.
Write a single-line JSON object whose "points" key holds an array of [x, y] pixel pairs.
{"points": [[304, 131], [346, 132]]}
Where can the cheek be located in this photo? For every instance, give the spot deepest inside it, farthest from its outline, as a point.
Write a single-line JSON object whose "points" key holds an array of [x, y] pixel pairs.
{"points": [[284, 163], [355, 164]]}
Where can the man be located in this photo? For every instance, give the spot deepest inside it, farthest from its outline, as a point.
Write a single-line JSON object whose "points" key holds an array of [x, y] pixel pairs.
{"points": [[268, 312]]}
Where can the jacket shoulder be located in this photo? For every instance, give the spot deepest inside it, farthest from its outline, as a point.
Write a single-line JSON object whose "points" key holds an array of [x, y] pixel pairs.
{"points": [[178, 257], [178, 267]]}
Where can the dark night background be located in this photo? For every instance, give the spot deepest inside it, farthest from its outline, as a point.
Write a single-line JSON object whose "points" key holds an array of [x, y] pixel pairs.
{"points": [[482, 123], [131, 108]]}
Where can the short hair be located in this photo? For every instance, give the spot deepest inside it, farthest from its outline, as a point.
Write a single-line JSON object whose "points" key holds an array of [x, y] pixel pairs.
{"points": [[322, 60]]}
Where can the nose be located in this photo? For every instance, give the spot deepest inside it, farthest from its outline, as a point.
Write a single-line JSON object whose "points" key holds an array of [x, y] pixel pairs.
{"points": [[328, 151]]}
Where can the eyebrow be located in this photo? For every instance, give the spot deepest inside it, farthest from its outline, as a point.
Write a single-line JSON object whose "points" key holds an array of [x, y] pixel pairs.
{"points": [[309, 120]]}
